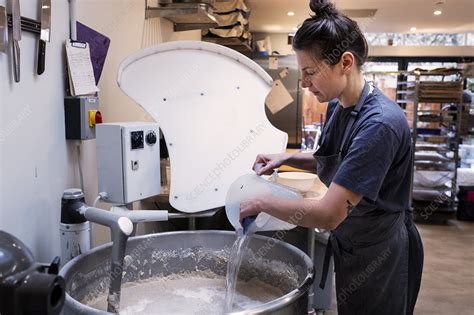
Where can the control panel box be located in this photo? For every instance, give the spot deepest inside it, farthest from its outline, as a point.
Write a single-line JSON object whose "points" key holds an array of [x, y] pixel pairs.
{"points": [[81, 115], [128, 161]]}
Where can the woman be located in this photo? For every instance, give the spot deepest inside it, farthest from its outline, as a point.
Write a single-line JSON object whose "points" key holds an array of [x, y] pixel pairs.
{"points": [[365, 159]]}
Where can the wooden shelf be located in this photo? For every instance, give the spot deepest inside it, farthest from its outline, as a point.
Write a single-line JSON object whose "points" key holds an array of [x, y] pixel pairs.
{"points": [[239, 44]]}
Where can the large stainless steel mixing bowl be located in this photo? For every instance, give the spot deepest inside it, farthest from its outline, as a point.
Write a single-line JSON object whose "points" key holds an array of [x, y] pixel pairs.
{"points": [[269, 260]]}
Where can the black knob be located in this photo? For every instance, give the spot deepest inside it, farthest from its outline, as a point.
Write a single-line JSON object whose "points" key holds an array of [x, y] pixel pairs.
{"points": [[151, 138], [136, 138]]}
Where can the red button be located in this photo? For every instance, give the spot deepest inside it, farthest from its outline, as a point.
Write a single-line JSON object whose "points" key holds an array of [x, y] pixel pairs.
{"points": [[98, 118]]}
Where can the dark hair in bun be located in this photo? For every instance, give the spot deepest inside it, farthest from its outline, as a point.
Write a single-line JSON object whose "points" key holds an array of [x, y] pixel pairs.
{"points": [[322, 7], [329, 33]]}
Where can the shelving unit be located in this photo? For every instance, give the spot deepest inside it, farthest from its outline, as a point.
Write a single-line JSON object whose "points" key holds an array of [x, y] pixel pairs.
{"points": [[467, 126], [241, 45], [232, 29], [184, 14], [432, 105], [436, 110]]}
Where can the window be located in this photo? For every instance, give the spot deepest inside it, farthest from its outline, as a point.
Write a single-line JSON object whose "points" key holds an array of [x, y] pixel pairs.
{"points": [[420, 39], [384, 39], [470, 39], [434, 39]]}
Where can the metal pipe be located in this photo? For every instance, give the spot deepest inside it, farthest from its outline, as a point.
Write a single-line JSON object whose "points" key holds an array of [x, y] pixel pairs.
{"points": [[72, 18], [118, 255], [137, 216], [311, 244], [116, 222]]}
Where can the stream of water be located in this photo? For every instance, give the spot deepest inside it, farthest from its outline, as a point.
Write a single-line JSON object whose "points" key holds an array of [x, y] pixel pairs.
{"points": [[233, 266]]}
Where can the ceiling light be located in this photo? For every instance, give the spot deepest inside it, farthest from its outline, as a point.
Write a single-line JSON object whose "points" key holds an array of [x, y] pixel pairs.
{"points": [[437, 12], [413, 29], [291, 13]]}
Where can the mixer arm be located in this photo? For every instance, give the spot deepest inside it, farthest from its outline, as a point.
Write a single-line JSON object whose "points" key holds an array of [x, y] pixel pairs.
{"points": [[121, 228], [116, 222], [137, 216]]}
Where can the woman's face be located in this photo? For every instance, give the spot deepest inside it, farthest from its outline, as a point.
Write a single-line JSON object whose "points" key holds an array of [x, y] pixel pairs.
{"points": [[325, 81]]}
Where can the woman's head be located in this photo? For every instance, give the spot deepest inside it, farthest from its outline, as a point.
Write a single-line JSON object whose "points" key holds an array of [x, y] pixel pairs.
{"points": [[330, 47]]}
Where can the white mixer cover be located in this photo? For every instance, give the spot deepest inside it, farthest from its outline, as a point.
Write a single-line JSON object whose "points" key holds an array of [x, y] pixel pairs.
{"points": [[209, 101]]}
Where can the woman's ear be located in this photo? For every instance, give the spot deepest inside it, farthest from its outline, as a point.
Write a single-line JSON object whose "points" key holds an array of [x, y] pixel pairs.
{"points": [[347, 61]]}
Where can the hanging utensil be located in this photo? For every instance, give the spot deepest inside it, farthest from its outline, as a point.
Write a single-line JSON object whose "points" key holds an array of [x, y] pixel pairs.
{"points": [[45, 34], [3, 30], [16, 22]]}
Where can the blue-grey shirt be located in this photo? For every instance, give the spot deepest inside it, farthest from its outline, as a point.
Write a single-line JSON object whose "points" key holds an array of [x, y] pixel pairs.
{"points": [[377, 163]]}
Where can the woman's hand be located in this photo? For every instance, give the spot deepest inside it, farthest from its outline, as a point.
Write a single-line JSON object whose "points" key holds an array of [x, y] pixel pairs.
{"points": [[266, 163], [252, 207]]}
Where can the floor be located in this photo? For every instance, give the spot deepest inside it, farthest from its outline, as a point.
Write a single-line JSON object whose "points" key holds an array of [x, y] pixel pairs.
{"points": [[448, 277]]}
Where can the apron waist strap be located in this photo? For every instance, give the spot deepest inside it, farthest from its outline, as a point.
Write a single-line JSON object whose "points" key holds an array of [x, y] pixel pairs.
{"points": [[408, 220], [327, 260]]}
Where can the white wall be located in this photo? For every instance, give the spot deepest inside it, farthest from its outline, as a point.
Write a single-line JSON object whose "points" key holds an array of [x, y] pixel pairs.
{"points": [[36, 162]]}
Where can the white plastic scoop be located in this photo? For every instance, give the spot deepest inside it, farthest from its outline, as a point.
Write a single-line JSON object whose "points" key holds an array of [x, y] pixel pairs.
{"points": [[250, 186]]}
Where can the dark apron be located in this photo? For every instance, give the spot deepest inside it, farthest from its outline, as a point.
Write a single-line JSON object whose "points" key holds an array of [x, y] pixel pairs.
{"points": [[378, 256]]}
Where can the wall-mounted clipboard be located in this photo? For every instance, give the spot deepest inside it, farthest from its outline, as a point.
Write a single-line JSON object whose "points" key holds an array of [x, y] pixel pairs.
{"points": [[81, 73]]}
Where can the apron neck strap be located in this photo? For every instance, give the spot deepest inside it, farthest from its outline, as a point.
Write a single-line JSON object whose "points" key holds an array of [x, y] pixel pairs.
{"points": [[327, 125], [354, 114]]}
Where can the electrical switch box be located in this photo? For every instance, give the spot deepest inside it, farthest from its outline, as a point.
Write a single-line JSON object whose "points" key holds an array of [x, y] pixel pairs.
{"points": [[81, 116], [128, 161]]}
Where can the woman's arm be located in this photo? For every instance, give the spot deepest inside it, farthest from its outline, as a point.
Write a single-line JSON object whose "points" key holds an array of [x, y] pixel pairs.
{"points": [[304, 161], [326, 213]]}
